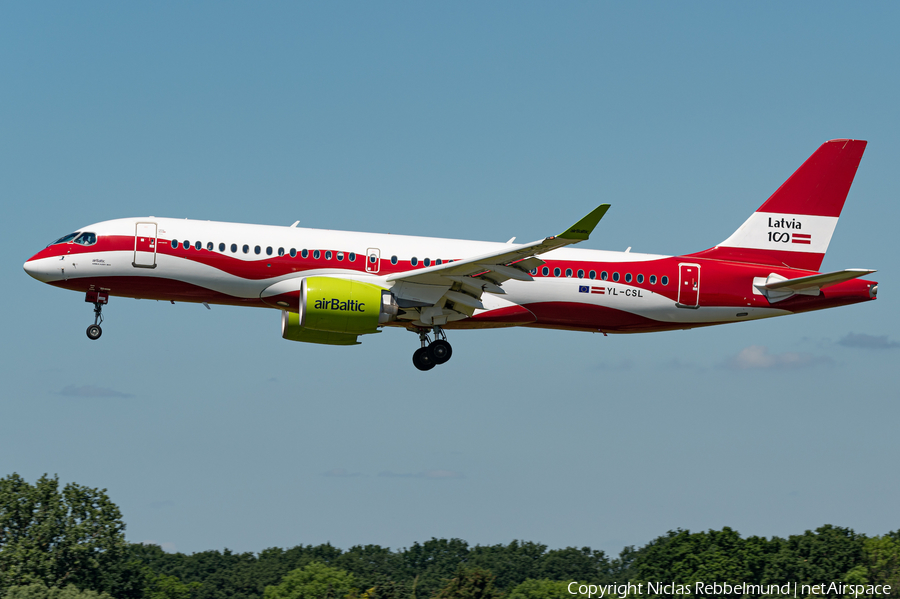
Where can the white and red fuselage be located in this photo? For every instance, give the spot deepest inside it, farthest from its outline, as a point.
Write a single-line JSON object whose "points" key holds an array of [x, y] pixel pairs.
{"points": [[577, 289], [746, 277]]}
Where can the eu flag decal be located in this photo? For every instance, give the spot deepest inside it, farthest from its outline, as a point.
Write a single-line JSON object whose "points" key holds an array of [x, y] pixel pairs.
{"points": [[584, 289]]}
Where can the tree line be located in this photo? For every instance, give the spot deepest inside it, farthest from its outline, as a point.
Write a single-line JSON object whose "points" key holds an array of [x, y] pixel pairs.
{"points": [[69, 543]]}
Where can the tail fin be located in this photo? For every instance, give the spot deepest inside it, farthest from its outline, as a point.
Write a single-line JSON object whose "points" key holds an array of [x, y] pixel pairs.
{"points": [[794, 226]]}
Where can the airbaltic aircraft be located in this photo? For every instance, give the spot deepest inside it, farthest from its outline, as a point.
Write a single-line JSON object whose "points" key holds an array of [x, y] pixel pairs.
{"points": [[333, 286]]}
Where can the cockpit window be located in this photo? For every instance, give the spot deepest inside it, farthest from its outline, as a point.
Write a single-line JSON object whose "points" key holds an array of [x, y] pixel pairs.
{"points": [[86, 239], [65, 239]]}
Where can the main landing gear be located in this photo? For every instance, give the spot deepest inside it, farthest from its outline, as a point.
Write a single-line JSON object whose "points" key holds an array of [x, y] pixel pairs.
{"points": [[434, 352], [98, 298]]}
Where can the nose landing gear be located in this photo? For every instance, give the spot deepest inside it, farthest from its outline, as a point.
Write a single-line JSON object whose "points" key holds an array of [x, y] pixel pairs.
{"points": [[434, 352], [98, 298]]}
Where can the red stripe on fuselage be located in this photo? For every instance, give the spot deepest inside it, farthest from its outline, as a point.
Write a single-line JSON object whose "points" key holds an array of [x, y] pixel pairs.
{"points": [[722, 283]]}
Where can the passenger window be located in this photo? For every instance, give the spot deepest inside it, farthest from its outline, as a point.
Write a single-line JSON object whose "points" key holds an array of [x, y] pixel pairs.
{"points": [[556, 272], [351, 257], [640, 278], [317, 254], [568, 272], [234, 248], [293, 252], [246, 249], [438, 262], [304, 253], [580, 274], [545, 271], [393, 259], [174, 244], [198, 245], [592, 274], [340, 256], [257, 250], [427, 261], [615, 276], [281, 251], [653, 279], [533, 271], [269, 251], [628, 278], [186, 245], [412, 261], [221, 247], [328, 255], [604, 275], [665, 280]]}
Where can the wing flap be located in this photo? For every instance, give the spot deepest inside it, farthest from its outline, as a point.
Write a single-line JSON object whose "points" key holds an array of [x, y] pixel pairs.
{"points": [[454, 289]]}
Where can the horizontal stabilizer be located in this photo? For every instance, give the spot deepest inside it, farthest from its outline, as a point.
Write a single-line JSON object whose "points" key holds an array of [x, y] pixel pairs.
{"points": [[776, 287]]}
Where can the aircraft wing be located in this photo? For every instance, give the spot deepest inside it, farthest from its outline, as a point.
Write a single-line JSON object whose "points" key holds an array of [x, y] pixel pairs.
{"points": [[457, 286]]}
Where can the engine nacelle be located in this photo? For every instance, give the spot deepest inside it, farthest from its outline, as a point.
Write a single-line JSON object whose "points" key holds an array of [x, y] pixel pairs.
{"points": [[335, 311]]}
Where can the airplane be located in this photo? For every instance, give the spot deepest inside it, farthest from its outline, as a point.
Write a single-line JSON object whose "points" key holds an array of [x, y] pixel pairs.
{"points": [[332, 287]]}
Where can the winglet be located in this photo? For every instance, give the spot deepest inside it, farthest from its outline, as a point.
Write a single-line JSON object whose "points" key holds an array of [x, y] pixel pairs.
{"points": [[582, 229]]}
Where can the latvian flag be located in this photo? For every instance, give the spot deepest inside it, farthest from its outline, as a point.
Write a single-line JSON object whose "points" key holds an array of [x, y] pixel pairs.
{"points": [[587, 289], [801, 238]]}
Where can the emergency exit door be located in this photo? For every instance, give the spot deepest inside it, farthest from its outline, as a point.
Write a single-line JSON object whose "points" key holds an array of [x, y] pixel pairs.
{"points": [[373, 260], [688, 285], [144, 245]]}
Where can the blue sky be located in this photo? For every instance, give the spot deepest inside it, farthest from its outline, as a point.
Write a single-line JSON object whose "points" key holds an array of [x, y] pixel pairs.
{"points": [[469, 120]]}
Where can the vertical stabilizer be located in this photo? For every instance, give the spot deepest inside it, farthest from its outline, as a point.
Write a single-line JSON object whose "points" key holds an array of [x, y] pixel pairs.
{"points": [[794, 226]]}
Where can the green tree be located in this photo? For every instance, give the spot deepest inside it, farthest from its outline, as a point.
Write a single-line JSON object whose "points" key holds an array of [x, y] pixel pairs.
{"points": [[716, 555], [469, 583], [540, 589], [57, 537], [880, 563], [433, 562], [39, 590], [160, 586], [315, 581], [827, 554]]}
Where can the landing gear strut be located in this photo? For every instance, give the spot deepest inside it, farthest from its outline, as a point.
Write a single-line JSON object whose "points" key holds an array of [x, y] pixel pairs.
{"points": [[98, 298], [434, 352]]}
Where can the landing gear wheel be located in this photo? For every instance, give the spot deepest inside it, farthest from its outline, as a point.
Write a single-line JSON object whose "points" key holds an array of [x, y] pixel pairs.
{"points": [[440, 351], [98, 298], [422, 359]]}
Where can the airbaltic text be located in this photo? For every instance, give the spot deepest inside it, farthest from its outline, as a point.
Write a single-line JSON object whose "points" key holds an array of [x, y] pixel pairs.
{"points": [[336, 304]]}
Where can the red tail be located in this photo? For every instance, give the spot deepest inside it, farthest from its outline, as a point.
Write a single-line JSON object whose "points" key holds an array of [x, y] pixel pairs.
{"points": [[794, 226]]}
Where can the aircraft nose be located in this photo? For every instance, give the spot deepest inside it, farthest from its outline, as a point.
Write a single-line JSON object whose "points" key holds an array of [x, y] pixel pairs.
{"points": [[30, 268], [40, 270]]}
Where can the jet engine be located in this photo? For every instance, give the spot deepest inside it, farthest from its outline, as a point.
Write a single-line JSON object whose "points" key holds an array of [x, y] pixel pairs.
{"points": [[336, 311]]}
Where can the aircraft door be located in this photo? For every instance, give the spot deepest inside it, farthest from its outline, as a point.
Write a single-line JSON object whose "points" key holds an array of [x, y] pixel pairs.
{"points": [[688, 285], [373, 260], [144, 245]]}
